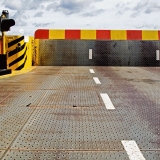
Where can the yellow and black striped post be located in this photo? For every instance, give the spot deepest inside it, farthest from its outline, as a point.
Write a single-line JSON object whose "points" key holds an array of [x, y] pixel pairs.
{"points": [[19, 55]]}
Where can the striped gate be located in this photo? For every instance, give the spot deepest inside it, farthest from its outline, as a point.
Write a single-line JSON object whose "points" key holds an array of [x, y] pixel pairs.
{"points": [[98, 47]]}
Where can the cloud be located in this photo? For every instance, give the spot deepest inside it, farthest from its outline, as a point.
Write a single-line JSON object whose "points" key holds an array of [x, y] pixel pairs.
{"points": [[19, 14], [36, 4], [23, 16], [52, 6], [33, 4], [93, 13], [148, 26], [38, 14], [21, 31], [72, 6], [120, 13], [21, 22], [147, 6], [41, 24], [135, 14], [122, 8], [153, 8], [83, 14], [142, 4], [13, 4], [42, 7]]}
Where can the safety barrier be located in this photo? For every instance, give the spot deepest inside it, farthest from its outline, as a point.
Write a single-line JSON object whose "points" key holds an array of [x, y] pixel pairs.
{"points": [[98, 34], [98, 47], [19, 54]]}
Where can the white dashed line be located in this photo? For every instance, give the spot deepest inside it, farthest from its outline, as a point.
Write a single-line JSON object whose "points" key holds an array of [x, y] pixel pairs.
{"points": [[107, 101], [97, 81], [91, 70], [132, 150]]}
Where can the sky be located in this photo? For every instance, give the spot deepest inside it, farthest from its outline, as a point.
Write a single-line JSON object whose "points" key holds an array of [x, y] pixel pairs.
{"points": [[30, 15]]}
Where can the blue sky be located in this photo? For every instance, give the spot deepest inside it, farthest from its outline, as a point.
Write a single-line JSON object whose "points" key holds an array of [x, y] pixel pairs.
{"points": [[31, 15]]}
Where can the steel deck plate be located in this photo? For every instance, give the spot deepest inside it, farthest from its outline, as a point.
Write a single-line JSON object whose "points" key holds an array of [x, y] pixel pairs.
{"points": [[58, 113]]}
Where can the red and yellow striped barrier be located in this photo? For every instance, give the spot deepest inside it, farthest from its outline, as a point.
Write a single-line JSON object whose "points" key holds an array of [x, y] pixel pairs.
{"points": [[98, 34]]}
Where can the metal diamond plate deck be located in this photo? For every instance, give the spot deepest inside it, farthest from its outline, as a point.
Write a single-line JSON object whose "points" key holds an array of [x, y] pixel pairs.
{"points": [[104, 53], [58, 113]]}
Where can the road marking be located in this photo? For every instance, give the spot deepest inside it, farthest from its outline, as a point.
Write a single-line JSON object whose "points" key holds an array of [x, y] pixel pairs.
{"points": [[133, 150], [91, 70], [97, 81], [107, 101]]}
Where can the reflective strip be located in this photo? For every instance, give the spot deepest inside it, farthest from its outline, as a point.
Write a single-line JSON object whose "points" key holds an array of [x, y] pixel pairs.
{"points": [[90, 53], [157, 55]]}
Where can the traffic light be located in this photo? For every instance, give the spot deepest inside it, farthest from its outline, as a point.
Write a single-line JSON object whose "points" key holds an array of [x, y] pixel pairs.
{"points": [[6, 24]]}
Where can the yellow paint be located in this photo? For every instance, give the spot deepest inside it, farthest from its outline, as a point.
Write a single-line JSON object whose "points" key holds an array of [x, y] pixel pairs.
{"points": [[14, 73], [13, 67], [118, 35], [13, 58], [28, 45], [35, 52], [56, 34], [9, 39], [29, 53], [88, 34], [150, 35]]}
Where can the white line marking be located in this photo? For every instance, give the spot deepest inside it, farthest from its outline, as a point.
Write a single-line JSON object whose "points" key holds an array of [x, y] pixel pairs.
{"points": [[107, 101], [97, 81], [157, 55], [91, 70], [90, 53], [132, 150]]}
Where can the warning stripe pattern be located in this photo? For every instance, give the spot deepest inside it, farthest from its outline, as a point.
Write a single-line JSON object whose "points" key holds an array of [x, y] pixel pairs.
{"points": [[18, 56], [98, 34]]}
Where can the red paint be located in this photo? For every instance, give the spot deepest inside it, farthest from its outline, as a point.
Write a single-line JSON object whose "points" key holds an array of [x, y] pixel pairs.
{"points": [[72, 34], [42, 34], [159, 35], [103, 34], [134, 35]]}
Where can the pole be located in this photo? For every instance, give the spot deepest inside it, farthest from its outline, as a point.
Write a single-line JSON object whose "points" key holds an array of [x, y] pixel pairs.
{"points": [[3, 43]]}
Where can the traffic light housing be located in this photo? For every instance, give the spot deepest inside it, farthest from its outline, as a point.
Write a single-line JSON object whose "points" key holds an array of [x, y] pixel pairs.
{"points": [[6, 24]]}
